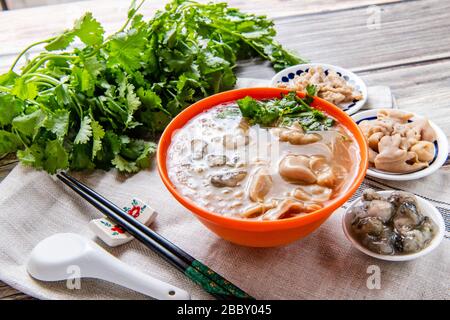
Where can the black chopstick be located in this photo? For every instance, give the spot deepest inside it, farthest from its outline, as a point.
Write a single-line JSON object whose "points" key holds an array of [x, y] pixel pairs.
{"points": [[209, 280]]}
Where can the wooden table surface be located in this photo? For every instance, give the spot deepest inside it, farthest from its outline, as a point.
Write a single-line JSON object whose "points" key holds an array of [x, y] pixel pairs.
{"points": [[401, 44]]}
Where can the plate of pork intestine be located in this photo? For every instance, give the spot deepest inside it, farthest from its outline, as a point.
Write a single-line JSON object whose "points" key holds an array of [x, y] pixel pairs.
{"points": [[334, 84], [402, 145]]}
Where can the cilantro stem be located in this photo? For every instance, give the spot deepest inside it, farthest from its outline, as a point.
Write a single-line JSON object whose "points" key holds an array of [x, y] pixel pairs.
{"points": [[130, 18], [43, 83], [17, 133], [28, 48], [41, 76], [5, 89], [44, 92], [122, 29], [32, 68], [240, 36], [74, 98], [303, 103]]}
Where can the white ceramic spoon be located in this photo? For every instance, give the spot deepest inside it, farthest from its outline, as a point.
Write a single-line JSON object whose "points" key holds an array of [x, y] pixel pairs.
{"points": [[51, 259]]}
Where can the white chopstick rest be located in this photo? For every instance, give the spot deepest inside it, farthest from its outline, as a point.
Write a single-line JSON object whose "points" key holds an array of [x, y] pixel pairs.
{"points": [[112, 234]]}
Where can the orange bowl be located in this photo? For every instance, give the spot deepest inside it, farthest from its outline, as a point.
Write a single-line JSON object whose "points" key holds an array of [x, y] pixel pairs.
{"points": [[251, 232]]}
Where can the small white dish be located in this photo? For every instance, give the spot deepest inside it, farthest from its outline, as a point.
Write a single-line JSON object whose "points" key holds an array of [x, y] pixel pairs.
{"points": [[287, 75], [441, 145], [425, 207]]}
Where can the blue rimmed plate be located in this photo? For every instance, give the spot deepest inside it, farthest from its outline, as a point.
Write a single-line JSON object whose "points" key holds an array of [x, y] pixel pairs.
{"points": [[287, 75], [440, 156]]}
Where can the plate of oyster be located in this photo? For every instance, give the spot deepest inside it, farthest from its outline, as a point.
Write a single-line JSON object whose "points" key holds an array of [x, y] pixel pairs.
{"points": [[393, 225]]}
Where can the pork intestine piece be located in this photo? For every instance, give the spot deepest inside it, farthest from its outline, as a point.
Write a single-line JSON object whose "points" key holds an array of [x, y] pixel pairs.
{"points": [[260, 185], [423, 126], [425, 151], [374, 139], [395, 115], [313, 193], [393, 159], [296, 168], [258, 209], [370, 127], [312, 170], [333, 97], [290, 206], [327, 175], [295, 135], [372, 155], [298, 138]]}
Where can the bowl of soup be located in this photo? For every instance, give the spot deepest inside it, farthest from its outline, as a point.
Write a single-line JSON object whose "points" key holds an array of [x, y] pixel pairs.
{"points": [[262, 167]]}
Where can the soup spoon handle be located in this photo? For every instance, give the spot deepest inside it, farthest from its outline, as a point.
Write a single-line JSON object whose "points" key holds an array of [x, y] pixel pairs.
{"points": [[111, 269]]}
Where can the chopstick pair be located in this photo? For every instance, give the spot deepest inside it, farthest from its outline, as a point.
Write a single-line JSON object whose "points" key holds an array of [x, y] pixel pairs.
{"points": [[209, 280]]}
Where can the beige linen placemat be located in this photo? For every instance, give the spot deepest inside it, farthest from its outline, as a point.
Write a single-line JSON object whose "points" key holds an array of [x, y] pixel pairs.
{"points": [[33, 206]]}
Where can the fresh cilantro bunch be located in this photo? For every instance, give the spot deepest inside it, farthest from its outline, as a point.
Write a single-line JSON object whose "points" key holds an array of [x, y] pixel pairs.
{"points": [[285, 111], [100, 104]]}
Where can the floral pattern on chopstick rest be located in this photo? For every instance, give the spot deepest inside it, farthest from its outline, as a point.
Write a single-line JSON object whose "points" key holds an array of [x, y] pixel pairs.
{"points": [[112, 234]]}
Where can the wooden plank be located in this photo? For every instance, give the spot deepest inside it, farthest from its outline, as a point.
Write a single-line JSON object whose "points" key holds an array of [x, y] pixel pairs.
{"points": [[5, 168], [421, 88], [418, 30], [23, 27], [281, 7], [8, 293], [416, 87], [20, 4], [410, 32]]}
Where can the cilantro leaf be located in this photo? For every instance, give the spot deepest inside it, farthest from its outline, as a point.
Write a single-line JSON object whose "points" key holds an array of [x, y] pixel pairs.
{"points": [[24, 90], [32, 156], [125, 49], [258, 111], [93, 66], [284, 111], [89, 30], [8, 142], [8, 78], [29, 124], [144, 159], [97, 135], [61, 42], [85, 132], [149, 98], [124, 165], [10, 107], [56, 157], [134, 7], [58, 123], [81, 157]]}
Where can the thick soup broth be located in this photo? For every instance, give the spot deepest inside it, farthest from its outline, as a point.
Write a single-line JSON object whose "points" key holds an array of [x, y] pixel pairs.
{"points": [[225, 165]]}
